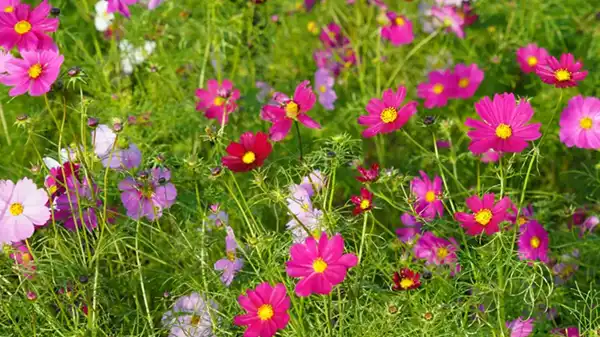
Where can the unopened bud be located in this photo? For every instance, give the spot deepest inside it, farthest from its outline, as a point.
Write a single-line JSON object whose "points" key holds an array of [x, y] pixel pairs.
{"points": [[92, 122]]}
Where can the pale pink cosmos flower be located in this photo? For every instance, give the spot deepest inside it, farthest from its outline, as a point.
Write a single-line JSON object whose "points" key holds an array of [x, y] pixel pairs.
{"points": [[530, 56], [580, 123], [35, 73], [152, 4], [27, 29], [399, 31], [428, 196], [490, 156], [469, 78], [5, 57], [115, 154], [436, 92], [450, 19], [387, 115], [22, 208], [120, 6], [289, 110]]}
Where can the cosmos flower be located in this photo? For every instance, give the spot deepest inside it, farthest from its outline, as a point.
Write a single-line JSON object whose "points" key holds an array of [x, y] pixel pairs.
{"points": [[504, 125], [59, 176], [469, 78], [120, 6], [485, 216], [5, 56], [407, 279], [435, 250], [248, 154], [449, 18], [399, 29], [27, 29], [580, 123], [289, 110], [190, 317], [533, 242], [22, 207], [368, 175], [23, 258], [589, 225], [217, 100], [530, 56], [440, 87], [566, 332], [332, 37], [152, 4], [326, 59], [387, 115], [490, 156], [305, 224], [566, 268], [116, 154], [8, 6], [103, 18], [324, 82], [314, 182], [363, 203], [217, 217], [319, 264], [520, 327], [148, 195], [78, 205], [428, 194], [412, 228], [132, 56], [563, 74], [35, 73], [231, 264], [525, 215], [264, 91], [267, 310]]}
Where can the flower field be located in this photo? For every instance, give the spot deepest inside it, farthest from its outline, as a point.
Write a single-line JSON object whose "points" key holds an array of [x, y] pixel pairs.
{"points": [[258, 168]]}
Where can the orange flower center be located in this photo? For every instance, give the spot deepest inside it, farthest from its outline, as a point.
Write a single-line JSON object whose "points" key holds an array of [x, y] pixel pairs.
{"points": [[291, 110], [532, 61], [249, 157], [265, 312], [16, 209], [535, 242], [562, 75], [463, 83], [319, 266], [35, 71], [503, 131], [388, 115], [483, 217], [22, 27], [438, 88], [430, 196], [586, 123]]}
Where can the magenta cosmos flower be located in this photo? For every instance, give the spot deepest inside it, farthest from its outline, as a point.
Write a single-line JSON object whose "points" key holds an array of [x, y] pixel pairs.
{"points": [[320, 265], [217, 100], [520, 327], [530, 56], [8, 6], [26, 28], [563, 74], [436, 92], [580, 123], [533, 242], [267, 310], [387, 115], [449, 19], [436, 250], [35, 73], [332, 36], [120, 6], [469, 78], [22, 207], [428, 194], [78, 205], [485, 215], [289, 110], [566, 332], [399, 31], [504, 127], [410, 230], [148, 195]]}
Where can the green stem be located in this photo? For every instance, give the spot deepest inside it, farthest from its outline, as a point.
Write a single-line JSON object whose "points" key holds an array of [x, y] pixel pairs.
{"points": [[299, 139], [416, 48], [362, 238]]}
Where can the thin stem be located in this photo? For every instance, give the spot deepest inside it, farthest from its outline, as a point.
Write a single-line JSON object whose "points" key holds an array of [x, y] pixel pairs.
{"points": [[4, 125], [299, 139], [416, 48], [362, 238]]}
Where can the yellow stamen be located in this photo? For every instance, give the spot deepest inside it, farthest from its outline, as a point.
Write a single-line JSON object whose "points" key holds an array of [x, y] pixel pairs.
{"points": [[22, 27], [313, 28], [503, 131], [522, 220], [532, 61], [16, 209], [291, 110], [463, 83], [442, 252], [586, 123], [400, 21], [562, 75], [195, 320], [218, 101], [319, 265], [364, 204], [447, 22], [535, 242], [231, 256], [249, 157], [35, 71], [26, 258], [9, 9], [52, 189], [430, 196], [483, 217], [322, 88], [406, 283], [438, 88], [265, 312], [389, 115]]}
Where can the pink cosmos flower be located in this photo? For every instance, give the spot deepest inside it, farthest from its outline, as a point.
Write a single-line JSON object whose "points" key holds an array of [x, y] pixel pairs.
{"points": [[217, 100], [428, 194], [469, 78], [450, 19], [35, 73], [26, 28], [566, 332], [580, 123], [436, 250], [320, 265], [8, 6], [490, 156], [399, 31], [115, 154], [533, 242], [387, 115], [324, 82], [520, 327], [504, 127], [314, 182], [530, 56], [22, 207], [120, 6], [525, 215], [152, 4], [289, 110], [436, 92], [485, 215], [148, 195], [412, 228], [563, 74], [332, 36], [78, 205], [267, 310], [5, 57]]}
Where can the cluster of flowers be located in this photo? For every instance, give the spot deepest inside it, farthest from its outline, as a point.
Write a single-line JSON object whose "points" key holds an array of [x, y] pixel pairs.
{"points": [[305, 218]]}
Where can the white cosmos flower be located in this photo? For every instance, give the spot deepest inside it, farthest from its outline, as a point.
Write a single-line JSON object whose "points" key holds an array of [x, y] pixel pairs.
{"points": [[103, 19]]}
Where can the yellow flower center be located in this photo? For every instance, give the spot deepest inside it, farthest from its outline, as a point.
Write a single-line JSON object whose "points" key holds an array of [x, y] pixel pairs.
{"points": [[522, 220], [195, 320], [535, 242], [483, 217], [322, 88], [231, 256], [562, 75], [400, 21], [148, 193], [586, 123], [249, 157], [35, 71], [406, 283], [447, 22], [430, 196], [463, 83], [503, 131], [265, 312], [388, 115], [319, 265], [312, 27], [9, 9], [438, 88], [16, 209], [26, 258], [291, 110], [532, 61], [364, 204], [218, 101], [22, 27], [305, 207], [442, 252], [52, 189]]}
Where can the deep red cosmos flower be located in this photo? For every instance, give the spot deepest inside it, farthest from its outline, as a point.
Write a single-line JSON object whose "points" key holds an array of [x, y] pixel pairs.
{"points": [[363, 203], [249, 153], [406, 280], [368, 175]]}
